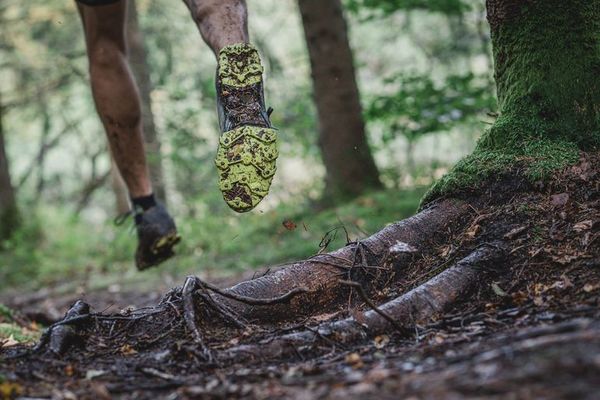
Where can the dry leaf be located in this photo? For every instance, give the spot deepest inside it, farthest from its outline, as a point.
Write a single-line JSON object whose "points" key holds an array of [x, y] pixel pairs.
{"points": [[69, 370], [354, 360], [515, 232], [559, 200], [589, 287], [583, 225], [289, 225], [381, 341], [10, 390], [498, 290], [127, 350], [473, 231], [8, 342]]}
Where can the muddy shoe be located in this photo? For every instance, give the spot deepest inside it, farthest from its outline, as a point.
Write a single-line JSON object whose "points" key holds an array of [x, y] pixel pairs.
{"points": [[157, 235], [248, 144]]}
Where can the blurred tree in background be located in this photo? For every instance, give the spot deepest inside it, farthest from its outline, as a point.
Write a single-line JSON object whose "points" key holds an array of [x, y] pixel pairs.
{"points": [[418, 72], [350, 169]]}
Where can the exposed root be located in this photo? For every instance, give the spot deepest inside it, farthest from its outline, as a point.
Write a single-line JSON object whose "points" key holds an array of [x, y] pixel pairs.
{"points": [[320, 275], [418, 305], [61, 335]]}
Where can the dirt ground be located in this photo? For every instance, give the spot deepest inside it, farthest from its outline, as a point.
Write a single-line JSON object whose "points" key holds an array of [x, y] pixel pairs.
{"points": [[531, 332]]}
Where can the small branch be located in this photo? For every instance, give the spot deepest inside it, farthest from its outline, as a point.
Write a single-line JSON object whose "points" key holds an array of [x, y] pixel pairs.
{"points": [[361, 291]]}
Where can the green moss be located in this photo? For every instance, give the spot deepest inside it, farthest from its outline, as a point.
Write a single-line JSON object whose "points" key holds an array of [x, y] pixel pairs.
{"points": [[535, 159], [6, 314]]}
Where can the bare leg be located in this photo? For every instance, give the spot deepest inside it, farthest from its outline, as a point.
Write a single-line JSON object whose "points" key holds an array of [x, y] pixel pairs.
{"points": [[221, 22], [115, 92]]}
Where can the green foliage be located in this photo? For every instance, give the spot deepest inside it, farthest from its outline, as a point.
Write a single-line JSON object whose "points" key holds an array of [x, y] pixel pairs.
{"points": [[6, 314], [421, 106], [387, 7]]}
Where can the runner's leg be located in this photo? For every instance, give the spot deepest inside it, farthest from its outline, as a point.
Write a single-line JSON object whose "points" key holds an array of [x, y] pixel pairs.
{"points": [[115, 92]]}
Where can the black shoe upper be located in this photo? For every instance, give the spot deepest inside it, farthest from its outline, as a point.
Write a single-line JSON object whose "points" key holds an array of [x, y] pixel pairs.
{"points": [[157, 235]]}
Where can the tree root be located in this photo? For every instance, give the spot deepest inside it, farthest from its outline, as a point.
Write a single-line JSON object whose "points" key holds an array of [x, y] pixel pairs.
{"points": [[421, 303], [319, 277], [63, 334]]}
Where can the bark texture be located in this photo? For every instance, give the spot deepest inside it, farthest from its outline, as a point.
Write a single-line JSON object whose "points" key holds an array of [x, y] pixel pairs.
{"points": [[350, 169], [9, 218], [141, 71]]}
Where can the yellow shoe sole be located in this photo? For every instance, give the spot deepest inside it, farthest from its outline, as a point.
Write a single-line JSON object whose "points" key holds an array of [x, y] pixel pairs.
{"points": [[246, 160]]}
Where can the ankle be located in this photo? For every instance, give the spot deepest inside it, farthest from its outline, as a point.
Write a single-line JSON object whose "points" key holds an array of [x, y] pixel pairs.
{"points": [[144, 202]]}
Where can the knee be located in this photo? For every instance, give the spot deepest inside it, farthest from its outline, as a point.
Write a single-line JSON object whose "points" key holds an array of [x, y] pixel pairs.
{"points": [[105, 54], [218, 8]]}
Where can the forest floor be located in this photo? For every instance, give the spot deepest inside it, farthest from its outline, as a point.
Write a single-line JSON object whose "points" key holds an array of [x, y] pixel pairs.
{"points": [[530, 332]]}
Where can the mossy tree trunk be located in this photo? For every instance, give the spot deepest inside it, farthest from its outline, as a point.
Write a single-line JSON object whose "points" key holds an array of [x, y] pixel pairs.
{"points": [[350, 169], [141, 71], [9, 216], [547, 72]]}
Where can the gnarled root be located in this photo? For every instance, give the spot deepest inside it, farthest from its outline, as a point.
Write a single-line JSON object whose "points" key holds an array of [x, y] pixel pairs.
{"points": [[418, 305], [319, 277]]}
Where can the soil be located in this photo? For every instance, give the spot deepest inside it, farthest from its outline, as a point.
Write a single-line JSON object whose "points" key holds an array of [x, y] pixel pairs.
{"points": [[530, 331]]}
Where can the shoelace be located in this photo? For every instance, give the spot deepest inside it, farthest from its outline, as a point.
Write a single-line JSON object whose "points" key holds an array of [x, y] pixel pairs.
{"points": [[121, 218]]}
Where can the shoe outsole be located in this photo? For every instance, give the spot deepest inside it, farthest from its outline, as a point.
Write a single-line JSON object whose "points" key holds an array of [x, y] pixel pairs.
{"points": [[246, 162]]}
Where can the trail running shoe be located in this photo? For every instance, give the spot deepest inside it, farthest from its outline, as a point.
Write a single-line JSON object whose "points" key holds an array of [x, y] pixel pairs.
{"points": [[248, 144], [157, 235]]}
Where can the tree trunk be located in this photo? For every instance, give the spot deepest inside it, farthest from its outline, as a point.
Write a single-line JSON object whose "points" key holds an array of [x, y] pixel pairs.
{"points": [[547, 64], [9, 217], [350, 169], [141, 71]]}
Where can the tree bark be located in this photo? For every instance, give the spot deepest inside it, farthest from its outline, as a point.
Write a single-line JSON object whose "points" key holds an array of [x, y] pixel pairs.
{"points": [[350, 168], [547, 64], [9, 216], [141, 71]]}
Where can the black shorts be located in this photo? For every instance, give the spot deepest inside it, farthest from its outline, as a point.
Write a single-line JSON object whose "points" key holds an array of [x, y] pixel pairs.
{"points": [[97, 2]]}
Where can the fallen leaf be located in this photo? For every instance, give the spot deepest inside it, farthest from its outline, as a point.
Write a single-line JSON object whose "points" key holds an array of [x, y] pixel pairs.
{"points": [[354, 360], [127, 350], [565, 258], [473, 231], [381, 341], [94, 373], [498, 290], [515, 232], [589, 287], [289, 225], [583, 225], [10, 341], [69, 370], [559, 200], [10, 390]]}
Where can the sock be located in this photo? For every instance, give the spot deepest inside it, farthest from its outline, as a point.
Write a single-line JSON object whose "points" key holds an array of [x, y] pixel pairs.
{"points": [[145, 202]]}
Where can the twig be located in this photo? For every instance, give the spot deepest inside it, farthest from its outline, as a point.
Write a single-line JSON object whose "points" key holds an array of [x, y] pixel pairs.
{"points": [[366, 299]]}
